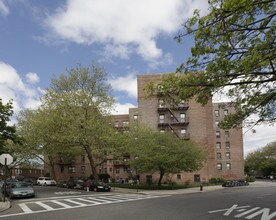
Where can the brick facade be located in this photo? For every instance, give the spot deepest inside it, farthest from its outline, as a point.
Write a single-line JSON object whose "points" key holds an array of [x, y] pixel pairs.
{"points": [[189, 121]]}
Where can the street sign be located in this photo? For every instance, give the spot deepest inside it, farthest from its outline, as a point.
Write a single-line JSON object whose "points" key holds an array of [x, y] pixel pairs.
{"points": [[6, 157]]}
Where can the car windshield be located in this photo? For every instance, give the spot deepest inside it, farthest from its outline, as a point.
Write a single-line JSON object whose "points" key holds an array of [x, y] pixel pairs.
{"points": [[20, 185], [48, 178]]}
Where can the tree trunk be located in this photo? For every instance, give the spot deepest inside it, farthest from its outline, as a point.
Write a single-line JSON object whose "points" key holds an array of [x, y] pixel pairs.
{"points": [[92, 163], [162, 172]]}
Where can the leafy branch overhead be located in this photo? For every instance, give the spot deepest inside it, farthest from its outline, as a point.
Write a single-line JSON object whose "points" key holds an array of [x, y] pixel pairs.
{"points": [[233, 55]]}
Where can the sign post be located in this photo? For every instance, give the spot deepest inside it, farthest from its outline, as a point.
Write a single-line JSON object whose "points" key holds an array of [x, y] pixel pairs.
{"points": [[5, 159]]}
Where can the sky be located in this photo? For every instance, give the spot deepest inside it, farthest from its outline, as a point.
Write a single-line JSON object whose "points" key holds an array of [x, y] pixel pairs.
{"points": [[41, 39]]}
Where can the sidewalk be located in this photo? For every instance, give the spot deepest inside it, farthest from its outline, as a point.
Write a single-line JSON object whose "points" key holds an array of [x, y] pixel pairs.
{"points": [[5, 205], [167, 192]]}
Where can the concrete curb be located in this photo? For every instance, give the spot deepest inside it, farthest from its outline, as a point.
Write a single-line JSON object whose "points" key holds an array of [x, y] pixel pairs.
{"points": [[5, 205]]}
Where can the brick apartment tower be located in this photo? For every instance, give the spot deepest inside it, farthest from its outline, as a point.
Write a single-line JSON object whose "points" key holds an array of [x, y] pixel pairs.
{"points": [[189, 121], [197, 123]]}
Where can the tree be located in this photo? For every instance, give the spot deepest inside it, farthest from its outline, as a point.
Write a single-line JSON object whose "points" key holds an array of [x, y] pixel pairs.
{"points": [[233, 55], [163, 152], [74, 117], [263, 160], [7, 132]]}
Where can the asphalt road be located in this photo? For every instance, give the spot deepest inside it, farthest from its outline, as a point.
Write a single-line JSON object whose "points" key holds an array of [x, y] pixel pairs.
{"points": [[253, 202]]}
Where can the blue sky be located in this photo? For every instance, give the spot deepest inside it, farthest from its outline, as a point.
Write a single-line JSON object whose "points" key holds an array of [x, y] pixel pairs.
{"points": [[40, 39]]}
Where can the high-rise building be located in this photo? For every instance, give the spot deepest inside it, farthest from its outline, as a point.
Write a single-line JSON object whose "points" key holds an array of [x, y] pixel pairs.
{"points": [[188, 120]]}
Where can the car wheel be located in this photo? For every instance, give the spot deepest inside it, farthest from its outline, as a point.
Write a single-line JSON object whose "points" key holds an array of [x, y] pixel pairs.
{"points": [[95, 189]]}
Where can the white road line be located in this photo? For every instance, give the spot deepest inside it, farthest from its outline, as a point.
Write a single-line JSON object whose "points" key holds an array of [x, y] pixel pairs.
{"points": [[49, 208], [61, 204], [74, 202], [25, 208], [98, 200], [89, 200]]}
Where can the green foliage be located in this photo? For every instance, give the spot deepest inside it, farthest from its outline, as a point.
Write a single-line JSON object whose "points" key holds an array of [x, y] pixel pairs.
{"points": [[163, 152], [250, 179], [216, 181], [73, 118], [263, 160], [234, 55], [7, 132], [104, 177]]}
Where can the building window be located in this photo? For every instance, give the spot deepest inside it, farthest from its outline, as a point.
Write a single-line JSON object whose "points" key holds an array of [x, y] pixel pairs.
{"points": [[18, 171], [30, 171], [117, 170], [228, 166], [161, 118], [217, 124], [217, 113], [227, 134], [127, 170], [218, 134], [71, 169], [83, 158], [183, 131], [219, 166], [135, 117], [116, 124], [227, 144], [227, 155], [218, 156], [110, 169], [161, 103], [83, 169], [178, 176], [182, 117], [125, 123], [62, 168], [218, 145], [225, 111]]}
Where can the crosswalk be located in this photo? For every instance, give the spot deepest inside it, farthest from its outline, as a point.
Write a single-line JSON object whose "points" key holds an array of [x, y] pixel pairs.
{"points": [[61, 203]]}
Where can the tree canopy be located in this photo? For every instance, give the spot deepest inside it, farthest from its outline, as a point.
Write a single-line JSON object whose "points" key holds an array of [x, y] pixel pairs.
{"points": [[233, 55], [262, 160], [74, 117], [7, 132], [163, 152]]}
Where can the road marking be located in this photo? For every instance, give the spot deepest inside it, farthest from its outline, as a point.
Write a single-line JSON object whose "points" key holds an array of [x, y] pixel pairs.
{"points": [[264, 213], [43, 205], [25, 208], [61, 204], [76, 202]]}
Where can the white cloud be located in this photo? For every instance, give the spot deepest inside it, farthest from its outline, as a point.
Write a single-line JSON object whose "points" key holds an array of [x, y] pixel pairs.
{"points": [[32, 78], [125, 26], [12, 87], [4, 10], [121, 109], [126, 84], [253, 141]]}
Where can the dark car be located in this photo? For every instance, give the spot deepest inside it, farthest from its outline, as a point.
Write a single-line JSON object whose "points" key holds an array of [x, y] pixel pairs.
{"points": [[75, 183], [62, 184], [20, 189], [234, 183], [99, 186]]}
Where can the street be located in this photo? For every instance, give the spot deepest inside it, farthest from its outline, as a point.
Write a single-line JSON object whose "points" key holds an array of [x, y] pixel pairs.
{"points": [[257, 201]]}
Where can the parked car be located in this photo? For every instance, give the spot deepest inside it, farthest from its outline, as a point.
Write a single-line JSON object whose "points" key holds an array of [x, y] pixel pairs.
{"points": [[234, 183], [99, 186], [20, 189], [62, 184], [46, 181], [75, 183]]}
